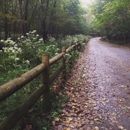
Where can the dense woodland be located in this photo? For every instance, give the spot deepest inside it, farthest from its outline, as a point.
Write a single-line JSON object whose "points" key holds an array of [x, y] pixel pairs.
{"points": [[58, 18], [54, 18], [112, 19]]}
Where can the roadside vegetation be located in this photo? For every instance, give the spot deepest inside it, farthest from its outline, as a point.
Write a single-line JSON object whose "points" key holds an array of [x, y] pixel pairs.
{"points": [[20, 56], [55, 23], [111, 20]]}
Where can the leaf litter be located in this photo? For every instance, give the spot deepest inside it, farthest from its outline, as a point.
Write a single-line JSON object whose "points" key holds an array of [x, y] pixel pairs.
{"points": [[92, 104]]}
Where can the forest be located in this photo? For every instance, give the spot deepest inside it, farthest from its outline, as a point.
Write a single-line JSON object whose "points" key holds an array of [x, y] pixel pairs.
{"points": [[58, 18], [53, 18], [112, 19]]}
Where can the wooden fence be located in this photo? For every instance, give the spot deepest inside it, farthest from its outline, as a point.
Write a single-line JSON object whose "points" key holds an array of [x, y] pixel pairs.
{"points": [[13, 86]]}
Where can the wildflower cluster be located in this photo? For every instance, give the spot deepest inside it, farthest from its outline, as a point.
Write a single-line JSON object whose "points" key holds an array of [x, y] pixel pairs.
{"points": [[52, 49], [28, 49], [10, 54], [73, 39], [31, 45], [18, 57], [67, 55]]}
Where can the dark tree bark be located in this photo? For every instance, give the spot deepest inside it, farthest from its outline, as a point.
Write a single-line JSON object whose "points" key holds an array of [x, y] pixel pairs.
{"points": [[6, 21], [24, 16]]}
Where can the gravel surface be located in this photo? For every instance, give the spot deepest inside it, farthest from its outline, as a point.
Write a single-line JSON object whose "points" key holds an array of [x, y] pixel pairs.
{"points": [[98, 90]]}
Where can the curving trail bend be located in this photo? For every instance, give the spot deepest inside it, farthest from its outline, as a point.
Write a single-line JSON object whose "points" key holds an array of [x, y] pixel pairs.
{"points": [[111, 68], [98, 90]]}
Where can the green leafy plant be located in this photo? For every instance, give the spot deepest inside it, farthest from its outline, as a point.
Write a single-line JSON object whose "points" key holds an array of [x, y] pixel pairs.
{"points": [[19, 57]]}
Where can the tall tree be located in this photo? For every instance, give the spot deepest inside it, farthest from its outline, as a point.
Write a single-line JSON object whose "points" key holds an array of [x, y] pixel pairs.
{"points": [[113, 19], [48, 17]]}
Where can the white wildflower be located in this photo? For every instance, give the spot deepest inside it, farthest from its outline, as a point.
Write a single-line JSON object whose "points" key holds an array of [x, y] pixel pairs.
{"points": [[67, 55], [34, 31], [6, 49], [41, 39], [13, 51], [47, 49], [19, 50], [15, 45], [12, 57], [56, 53], [39, 49], [8, 41], [15, 48], [12, 43], [2, 40], [16, 59], [27, 62]]}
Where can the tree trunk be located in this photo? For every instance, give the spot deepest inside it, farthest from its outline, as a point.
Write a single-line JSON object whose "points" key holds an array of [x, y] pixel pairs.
{"points": [[25, 24], [6, 21]]}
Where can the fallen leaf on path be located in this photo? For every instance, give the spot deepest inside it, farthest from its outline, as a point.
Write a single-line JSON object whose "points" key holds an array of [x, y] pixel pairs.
{"points": [[57, 119], [67, 129], [96, 128], [53, 122], [120, 127], [123, 86]]}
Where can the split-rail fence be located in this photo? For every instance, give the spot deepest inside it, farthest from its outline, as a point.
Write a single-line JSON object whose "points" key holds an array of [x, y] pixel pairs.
{"points": [[14, 85]]}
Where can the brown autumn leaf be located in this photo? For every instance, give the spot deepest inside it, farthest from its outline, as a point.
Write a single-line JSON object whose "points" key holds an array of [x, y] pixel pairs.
{"points": [[96, 128], [96, 119], [60, 93], [53, 122], [54, 87], [67, 121], [28, 127], [67, 129], [120, 127], [29, 90], [57, 119], [60, 127]]}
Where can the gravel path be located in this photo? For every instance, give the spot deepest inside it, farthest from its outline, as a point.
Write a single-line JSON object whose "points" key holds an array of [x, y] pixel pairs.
{"points": [[98, 90]]}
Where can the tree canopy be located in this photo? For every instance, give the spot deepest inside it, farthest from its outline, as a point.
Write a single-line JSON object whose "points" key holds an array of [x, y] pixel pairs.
{"points": [[48, 17], [112, 18]]}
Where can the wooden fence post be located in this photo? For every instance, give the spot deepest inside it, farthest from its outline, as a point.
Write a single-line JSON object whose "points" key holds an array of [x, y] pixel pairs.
{"points": [[71, 50], [45, 74], [63, 62], [80, 47], [76, 46]]}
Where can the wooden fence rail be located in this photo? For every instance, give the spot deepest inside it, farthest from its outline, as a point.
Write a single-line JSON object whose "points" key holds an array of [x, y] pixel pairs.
{"points": [[13, 86]]}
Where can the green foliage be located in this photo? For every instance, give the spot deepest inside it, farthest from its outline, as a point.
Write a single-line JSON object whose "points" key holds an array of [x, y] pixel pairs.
{"points": [[27, 50], [49, 18], [113, 19], [10, 56]]}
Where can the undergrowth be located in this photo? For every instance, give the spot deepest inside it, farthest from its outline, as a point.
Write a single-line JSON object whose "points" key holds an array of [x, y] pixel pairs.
{"points": [[19, 57]]}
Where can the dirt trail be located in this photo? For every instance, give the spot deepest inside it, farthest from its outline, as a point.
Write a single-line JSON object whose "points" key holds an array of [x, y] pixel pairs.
{"points": [[98, 90]]}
